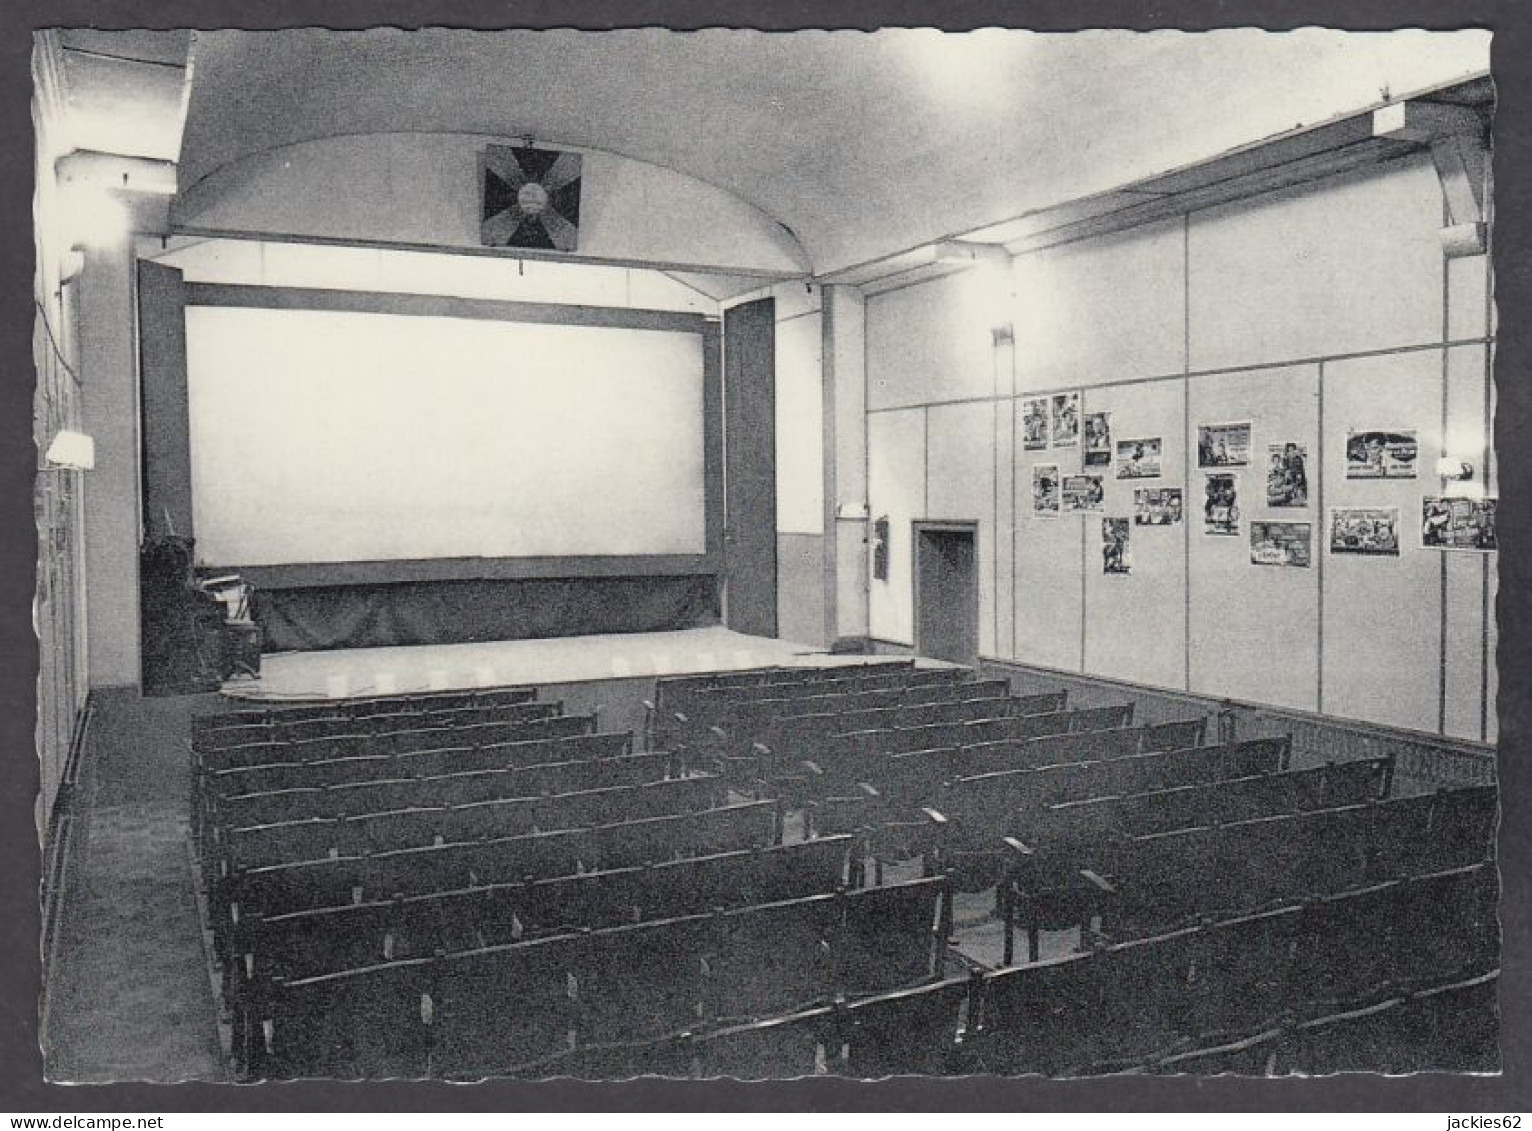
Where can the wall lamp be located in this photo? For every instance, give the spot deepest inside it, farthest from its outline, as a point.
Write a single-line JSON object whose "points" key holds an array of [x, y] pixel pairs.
{"points": [[71, 451], [1451, 467]]}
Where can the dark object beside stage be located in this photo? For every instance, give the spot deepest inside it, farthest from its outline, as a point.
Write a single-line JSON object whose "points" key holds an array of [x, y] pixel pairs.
{"points": [[184, 648]]}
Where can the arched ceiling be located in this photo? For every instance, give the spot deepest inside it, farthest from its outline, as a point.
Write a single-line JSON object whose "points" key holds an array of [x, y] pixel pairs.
{"points": [[861, 144]]}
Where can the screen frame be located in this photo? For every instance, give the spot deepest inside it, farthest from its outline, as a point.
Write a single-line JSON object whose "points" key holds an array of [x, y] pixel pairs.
{"points": [[307, 575]]}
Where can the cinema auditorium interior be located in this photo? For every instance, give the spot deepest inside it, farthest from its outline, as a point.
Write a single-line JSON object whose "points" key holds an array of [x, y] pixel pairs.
{"points": [[615, 554]]}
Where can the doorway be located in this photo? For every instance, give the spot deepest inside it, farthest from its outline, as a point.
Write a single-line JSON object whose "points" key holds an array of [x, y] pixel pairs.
{"points": [[947, 591]]}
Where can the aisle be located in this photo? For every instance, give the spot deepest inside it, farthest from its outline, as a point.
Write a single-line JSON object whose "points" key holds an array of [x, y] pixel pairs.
{"points": [[132, 1000]]}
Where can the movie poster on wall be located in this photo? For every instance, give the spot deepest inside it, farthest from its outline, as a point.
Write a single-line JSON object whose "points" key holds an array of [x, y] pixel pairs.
{"points": [[1223, 445], [1381, 453], [1287, 475], [1220, 507], [1098, 440], [1083, 494], [1066, 420], [1138, 459], [1116, 557], [1034, 424], [1157, 506], [1448, 523], [1045, 489], [1280, 544], [1369, 531]]}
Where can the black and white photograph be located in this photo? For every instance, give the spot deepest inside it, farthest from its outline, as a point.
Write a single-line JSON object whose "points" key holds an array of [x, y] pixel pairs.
{"points": [[1458, 523], [1381, 454], [1034, 424], [1157, 506], [1223, 445], [1220, 503], [1045, 489], [1280, 544], [1368, 531], [534, 577], [1096, 451], [1287, 475], [1083, 494], [1116, 552], [1139, 459], [1065, 420]]}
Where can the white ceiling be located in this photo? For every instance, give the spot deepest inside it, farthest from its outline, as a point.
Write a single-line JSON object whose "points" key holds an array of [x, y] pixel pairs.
{"points": [[862, 144]]}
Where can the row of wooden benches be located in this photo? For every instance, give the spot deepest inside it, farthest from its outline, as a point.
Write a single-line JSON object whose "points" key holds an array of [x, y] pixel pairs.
{"points": [[1268, 992], [733, 726], [298, 773], [840, 757], [329, 857], [541, 766], [525, 722], [788, 742], [1274, 991], [487, 1008], [278, 728], [1446, 1028], [248, 829], [1143, 884], [286, 827], [324, 940], [267, 712], [335, 880], [675, 694]]}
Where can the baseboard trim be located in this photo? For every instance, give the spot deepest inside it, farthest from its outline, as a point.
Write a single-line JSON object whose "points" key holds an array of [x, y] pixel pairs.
{"points": [[57, 838], [1214, 703], [1425, 759]]}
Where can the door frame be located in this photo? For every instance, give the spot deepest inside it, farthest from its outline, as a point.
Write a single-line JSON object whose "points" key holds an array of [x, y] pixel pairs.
{"points": [[921, 526]]}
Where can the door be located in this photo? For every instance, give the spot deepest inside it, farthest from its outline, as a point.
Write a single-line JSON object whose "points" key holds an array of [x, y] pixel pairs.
{"points": [[750, 458], [947, 591]]}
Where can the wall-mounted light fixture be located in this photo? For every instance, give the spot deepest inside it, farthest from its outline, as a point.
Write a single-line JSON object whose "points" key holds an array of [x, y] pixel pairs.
{"points": [[71, 451], [1451, 467], [71, 265]]}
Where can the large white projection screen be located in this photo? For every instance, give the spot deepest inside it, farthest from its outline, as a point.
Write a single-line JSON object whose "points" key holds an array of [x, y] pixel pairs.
{"points": [[321, 436]]}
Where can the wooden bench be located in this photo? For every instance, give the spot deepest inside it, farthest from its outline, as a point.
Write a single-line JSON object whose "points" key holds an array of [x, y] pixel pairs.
{"points": [[326, 940], [295, 730], [307, 838], [491, 1009], [334, 881], [397, 742]]}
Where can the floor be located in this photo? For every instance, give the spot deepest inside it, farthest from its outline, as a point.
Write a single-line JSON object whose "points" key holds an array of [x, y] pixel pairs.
{"points": [[387, 671], [130, 998]]}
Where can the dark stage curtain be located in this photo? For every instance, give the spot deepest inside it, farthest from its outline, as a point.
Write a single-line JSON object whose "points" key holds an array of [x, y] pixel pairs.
{"points": [[461, 612]]}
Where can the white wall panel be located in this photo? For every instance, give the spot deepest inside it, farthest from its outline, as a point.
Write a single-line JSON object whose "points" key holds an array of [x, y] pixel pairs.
{"points": [[1254, 630], [1464, 572], [1467, 306], [1346, 265], [1049, 561], [1004, 425], [1127, 288], [896, 473], [960, 486], [931, 341], [1382, 615], [800, 426], [1135, 625]]}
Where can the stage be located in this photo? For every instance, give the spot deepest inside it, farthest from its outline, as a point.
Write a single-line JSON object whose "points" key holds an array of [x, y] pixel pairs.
{"points": [[344, 673]]}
